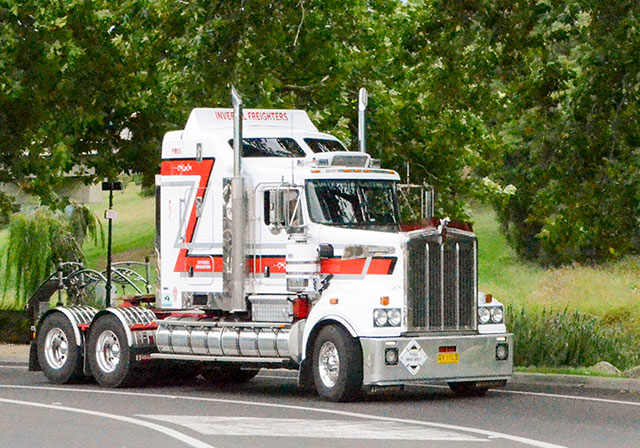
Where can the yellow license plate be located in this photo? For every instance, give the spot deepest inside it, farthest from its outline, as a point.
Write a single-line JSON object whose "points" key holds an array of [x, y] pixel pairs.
{"points": [[448, 358]]}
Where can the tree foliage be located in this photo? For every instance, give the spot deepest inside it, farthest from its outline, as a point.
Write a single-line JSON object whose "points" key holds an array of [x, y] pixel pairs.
{"points": [[531, 102], [78, 91], [38, 240], [570, 141]]}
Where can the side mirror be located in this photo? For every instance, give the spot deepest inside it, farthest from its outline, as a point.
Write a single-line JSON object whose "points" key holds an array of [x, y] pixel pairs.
{"points": [[283, 207]]}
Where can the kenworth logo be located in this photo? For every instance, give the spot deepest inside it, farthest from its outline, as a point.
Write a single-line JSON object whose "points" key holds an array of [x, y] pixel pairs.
{"points": [[184, 168]]}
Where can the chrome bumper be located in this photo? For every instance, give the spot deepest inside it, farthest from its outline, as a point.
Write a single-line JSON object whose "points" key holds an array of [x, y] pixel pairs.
{"points": [[419, 359]]}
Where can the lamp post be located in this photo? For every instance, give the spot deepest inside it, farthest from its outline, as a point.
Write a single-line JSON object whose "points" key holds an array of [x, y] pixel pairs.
{"points": [[110, 214]]}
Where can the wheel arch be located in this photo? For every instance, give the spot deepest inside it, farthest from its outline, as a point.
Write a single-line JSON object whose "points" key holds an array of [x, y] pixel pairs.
{"points": [[75, 315], [305, 377], [313, 332], [112, 312], [127, 316]]}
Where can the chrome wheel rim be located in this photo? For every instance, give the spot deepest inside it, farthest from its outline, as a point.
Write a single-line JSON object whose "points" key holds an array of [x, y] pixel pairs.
{"points": [[56, 348], [329, 364], [108, 351]]}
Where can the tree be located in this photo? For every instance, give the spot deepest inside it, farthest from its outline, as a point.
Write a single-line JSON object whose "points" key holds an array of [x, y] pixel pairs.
{"points": [[77, 91], [569, 131]]}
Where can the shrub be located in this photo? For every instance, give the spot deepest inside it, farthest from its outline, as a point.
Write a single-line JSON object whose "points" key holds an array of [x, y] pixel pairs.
{"points": [[561, 338]]}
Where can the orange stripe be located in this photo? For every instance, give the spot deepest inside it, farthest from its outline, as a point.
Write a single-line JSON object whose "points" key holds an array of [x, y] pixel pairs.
{"points": [[337, 266], [379, 266]]}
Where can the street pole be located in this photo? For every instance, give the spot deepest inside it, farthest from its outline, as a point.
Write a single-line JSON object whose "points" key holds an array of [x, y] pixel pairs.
{"points": [[110, 215], [109, 233]]}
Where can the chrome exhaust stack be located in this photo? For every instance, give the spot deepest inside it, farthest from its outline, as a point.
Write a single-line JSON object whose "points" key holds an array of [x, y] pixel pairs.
{"points": [[234, 223], [363, 100]]}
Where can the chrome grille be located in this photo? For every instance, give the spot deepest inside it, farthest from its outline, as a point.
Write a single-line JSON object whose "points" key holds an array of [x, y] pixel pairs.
{"points": [[441, 282]]}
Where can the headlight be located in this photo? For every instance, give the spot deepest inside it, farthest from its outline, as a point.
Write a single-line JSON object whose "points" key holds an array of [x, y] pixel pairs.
{"points": [[387, 317], [394, 317], [484, 315], [380, 317], [497, 315]]}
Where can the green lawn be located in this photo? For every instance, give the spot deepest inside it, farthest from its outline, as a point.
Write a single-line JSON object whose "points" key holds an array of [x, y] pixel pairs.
{"points": [[611, 290], [134, 229]]}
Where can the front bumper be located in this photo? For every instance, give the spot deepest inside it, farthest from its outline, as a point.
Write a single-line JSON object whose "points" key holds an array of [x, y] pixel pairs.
{"points": [[418, 359]]}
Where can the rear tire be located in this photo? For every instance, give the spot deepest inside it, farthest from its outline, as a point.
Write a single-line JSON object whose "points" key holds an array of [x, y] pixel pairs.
{"points": [[337, 364], [109, 353], [59, 356], [468, 389]]}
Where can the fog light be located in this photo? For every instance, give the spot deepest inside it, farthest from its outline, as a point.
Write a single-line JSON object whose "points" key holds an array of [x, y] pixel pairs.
{"points": [[391, 356], [484, 315], [297, 284], [502, 352]]}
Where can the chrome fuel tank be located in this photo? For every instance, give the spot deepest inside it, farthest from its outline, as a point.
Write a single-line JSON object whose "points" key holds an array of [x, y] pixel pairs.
{"points": [[225, 339]]}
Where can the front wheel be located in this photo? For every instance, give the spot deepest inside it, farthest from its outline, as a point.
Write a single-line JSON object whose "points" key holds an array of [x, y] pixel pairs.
{"points": [[59, 356], [109, 353], [337, 364]]}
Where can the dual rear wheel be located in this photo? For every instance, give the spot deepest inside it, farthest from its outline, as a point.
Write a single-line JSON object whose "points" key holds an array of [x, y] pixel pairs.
{"points": [[108, 352]]}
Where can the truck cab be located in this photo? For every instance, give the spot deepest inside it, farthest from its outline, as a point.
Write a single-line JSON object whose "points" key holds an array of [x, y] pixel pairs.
{"points": [[287, 251]]}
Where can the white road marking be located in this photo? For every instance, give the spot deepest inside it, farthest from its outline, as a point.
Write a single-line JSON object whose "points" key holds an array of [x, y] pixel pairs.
{"points": [[134, 421], [13, 367], [501, 391], [297, 427], [524, 440], [572, 397], [545, 395]]}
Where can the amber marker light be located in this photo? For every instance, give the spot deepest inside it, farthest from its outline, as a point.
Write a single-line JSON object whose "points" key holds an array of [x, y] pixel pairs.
{"points": [[488, 298], [333, 301], [384, 301]]}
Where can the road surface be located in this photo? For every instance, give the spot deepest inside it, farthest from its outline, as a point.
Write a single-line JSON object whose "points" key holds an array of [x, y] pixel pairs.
{"points": [[271, 411]]}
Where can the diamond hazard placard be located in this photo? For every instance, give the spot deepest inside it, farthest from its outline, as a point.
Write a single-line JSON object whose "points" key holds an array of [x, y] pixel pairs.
{"points": [[412, 357]]}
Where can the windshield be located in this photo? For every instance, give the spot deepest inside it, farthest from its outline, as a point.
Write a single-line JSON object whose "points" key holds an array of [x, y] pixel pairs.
{"points": [[270, 147], [353, 203]]}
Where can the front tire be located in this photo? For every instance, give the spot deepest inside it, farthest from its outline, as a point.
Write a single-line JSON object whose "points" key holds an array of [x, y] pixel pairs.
{"points": [[109, 353], [337, 364], [59, 356]]}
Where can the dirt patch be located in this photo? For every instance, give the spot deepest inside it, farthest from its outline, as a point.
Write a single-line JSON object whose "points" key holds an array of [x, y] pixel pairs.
{"points": [[14, 327]]}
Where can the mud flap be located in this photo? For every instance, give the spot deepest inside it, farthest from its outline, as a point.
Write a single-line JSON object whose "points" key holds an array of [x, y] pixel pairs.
{"points": [[34, 365], [305, 375]]}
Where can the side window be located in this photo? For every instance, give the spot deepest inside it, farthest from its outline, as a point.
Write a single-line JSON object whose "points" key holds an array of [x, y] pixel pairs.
{"points": [[268, 206]]}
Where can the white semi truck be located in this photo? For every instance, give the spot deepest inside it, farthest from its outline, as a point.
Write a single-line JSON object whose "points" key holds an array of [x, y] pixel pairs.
{"points": [[287, 251]]}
